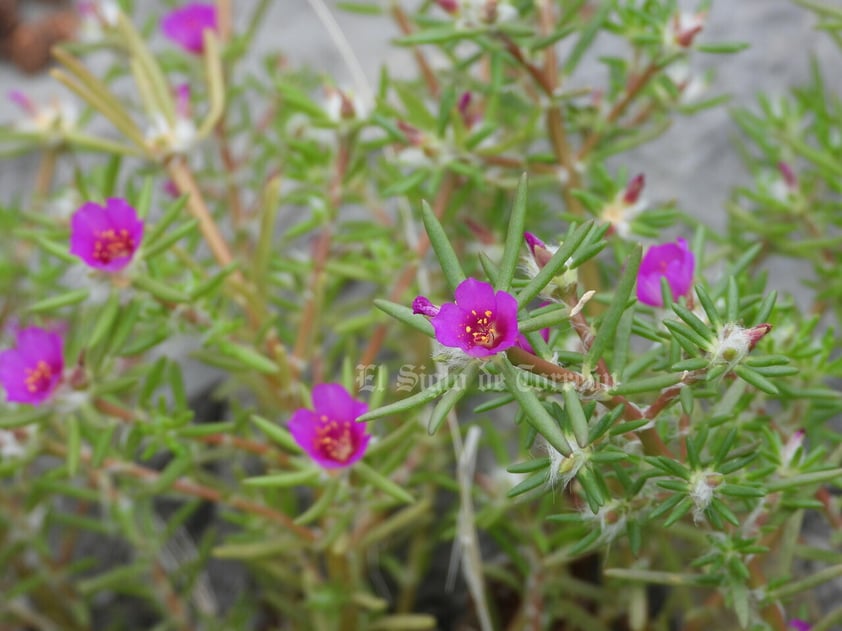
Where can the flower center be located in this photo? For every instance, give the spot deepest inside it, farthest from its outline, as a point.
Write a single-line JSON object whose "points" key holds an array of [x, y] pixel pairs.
{"points": [[38, 379], [482, 329], [334, 439], [112, 244]]}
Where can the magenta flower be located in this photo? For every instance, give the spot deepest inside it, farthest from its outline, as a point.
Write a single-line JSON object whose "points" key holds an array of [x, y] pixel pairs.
{"points": [[185, 25], [480, 322], [32, 370], [675, 262], [800, 625], [106, 237], [330, 434]]}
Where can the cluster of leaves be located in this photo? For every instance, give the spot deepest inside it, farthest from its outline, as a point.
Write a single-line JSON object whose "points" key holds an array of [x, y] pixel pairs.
{"points": [[631, 441]]}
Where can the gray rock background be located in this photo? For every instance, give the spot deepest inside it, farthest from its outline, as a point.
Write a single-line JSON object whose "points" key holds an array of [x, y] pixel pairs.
{"points": [[694, 163]]}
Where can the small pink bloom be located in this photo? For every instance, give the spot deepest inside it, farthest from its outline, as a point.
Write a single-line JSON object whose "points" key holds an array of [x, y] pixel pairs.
{"points": [[673, 261], [330, 433], [185, 26], [422, 306], [481, 322], [106, 237], [32, 370], [800, 625]]}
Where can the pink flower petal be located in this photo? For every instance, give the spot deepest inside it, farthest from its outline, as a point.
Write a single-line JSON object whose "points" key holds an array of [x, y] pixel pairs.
{"points": [[185, 26]]}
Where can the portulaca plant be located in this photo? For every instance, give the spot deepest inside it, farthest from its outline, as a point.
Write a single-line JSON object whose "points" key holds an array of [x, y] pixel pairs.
{"points": [[463, 375]]}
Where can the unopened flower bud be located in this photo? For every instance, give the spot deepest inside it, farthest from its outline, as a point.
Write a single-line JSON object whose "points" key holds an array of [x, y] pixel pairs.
{"points": [[685, 27], [422, 306], [790, 179], [414, 136], [634, 188], [451, 6], [757, 333], [468, 110], [541, 253]]}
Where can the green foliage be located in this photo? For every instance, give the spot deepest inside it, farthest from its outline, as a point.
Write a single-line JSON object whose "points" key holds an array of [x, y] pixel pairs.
{"points": [[666, 440]]}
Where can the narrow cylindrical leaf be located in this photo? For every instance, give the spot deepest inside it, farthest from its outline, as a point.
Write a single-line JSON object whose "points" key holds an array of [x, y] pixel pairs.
{"points": [[452, 397], [321, 505], [105, 322], [664, 507], [574, 238], [514, 237], [681, 509], [285, 479], [536, 414], [608, 326], [448, 260], [532, 482], [545, 320], [605, 423], [248, 356], [693, 322], [173, 212], [529, 466], [165, 242], [694, 363], [578, 421], [740, 490], [710, 310], [404, 622], [53, 303], [277, 433], [173, 471], [764, 311], [585, 543], [679, 328], [379, 481], [732, 301], [751, 376], [416, 400], [159, 290], [405, 315], [593, 493], [804, 479], [490, 269]]}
